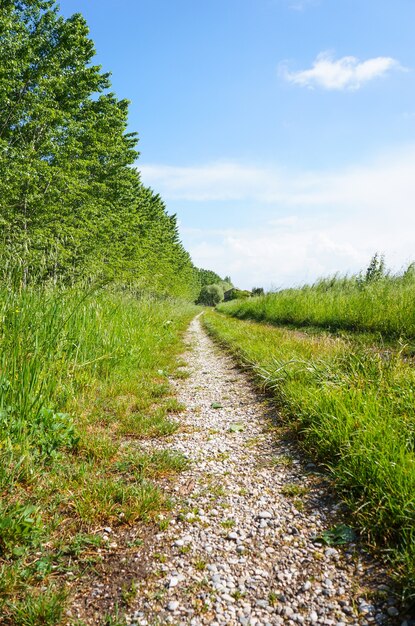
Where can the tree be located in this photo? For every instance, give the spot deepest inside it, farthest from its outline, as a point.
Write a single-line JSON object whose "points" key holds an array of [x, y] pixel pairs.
{"points": [[61, 146], [210, 295], [71, 204]]}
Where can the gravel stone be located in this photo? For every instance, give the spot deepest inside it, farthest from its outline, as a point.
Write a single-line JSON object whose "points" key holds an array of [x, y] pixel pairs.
{"points": [[269, 569]]}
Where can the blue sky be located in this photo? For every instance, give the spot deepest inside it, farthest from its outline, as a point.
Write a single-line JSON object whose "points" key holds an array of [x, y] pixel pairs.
{"points": [[281, 132]]}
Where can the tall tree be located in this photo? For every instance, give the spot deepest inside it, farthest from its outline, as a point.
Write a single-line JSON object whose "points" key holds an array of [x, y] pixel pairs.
{"points": [[63, 145], [71, 202]]}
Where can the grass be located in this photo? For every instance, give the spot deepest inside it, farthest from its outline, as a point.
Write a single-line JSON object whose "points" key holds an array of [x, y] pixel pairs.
{"points": [[385, 306], [83, 378], [353, 410]]}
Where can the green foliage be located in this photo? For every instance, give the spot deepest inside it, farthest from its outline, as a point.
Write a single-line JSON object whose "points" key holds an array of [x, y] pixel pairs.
{"points": [[20, 525], [380, 303], [237, 294], [71, 204], [376, 269], [352, 407], [337, 536], [207, 277], [44, 609], [257, 291], [210, 295], [212, 287]]}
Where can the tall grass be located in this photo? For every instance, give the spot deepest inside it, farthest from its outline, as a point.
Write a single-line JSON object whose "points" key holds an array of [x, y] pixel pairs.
{"points": [[385, 305], [354, 411], [81, 370]]}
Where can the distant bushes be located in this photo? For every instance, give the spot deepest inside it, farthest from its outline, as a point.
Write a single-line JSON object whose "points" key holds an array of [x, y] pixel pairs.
{"points": [[374, 301], [212, 293]]}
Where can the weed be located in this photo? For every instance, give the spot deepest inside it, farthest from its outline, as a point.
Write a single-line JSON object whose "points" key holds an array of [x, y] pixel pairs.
{"points": [[293, 490], [163, 524], [40, 608], [339, 535], [272, 598], [129, 593], [228, 523], [283, 460], [298, 504], [116, 618], [237, 594]]}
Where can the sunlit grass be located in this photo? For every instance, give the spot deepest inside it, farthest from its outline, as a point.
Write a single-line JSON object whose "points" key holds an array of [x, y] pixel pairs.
{"points": [[385, 306], [83, 378], [353, 410]]}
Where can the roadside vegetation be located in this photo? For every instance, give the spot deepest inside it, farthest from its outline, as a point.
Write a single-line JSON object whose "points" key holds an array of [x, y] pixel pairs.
{"points": [[376, 301], [83, 380], [350, 401]]}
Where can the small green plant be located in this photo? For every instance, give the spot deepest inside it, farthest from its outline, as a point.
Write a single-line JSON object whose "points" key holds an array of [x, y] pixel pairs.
{"points": [[272, 598], [337, 536], [299, 504], [237, 594], [228, 523], [236, 427], [40, 608], [216, 405], [163, 524], [20, 525], [115, 618], [283, 460], [293, 490], [129, 592]]}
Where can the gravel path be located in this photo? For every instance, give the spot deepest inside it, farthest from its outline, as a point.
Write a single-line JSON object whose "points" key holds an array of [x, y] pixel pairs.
{"points": [[241, 547]]}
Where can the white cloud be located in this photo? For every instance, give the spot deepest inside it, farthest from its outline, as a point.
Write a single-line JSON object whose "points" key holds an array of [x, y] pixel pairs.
{"points": [[215, 181], [307, 224], [347, 73]]}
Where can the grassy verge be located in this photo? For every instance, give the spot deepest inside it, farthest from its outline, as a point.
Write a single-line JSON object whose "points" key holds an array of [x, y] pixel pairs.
{"points": [[385, 306], [353, 410], [83, 377]]}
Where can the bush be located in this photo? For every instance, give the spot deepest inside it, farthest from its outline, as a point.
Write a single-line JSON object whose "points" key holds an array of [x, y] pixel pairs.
{"points": [[210, 295], [237, 294]]}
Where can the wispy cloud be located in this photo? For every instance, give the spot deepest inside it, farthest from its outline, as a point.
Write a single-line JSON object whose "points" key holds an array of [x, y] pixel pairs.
{"points": [[347, 73], [383, 182], [307, 223]]}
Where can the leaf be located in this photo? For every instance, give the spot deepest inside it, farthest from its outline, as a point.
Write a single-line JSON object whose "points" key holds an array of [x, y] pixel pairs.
{"points": [[237, 427], [336, 536], [216, 405]]}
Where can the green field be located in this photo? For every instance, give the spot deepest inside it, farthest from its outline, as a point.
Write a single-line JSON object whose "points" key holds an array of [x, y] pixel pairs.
{"points": [[385, 306], [352, 409]]}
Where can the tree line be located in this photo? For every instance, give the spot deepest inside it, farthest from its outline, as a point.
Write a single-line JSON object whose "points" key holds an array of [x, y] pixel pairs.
{"points": [[72, 205]]}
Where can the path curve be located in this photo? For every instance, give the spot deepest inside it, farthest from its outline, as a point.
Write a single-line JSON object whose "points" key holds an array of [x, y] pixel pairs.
{"points": [[241, 546]]}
